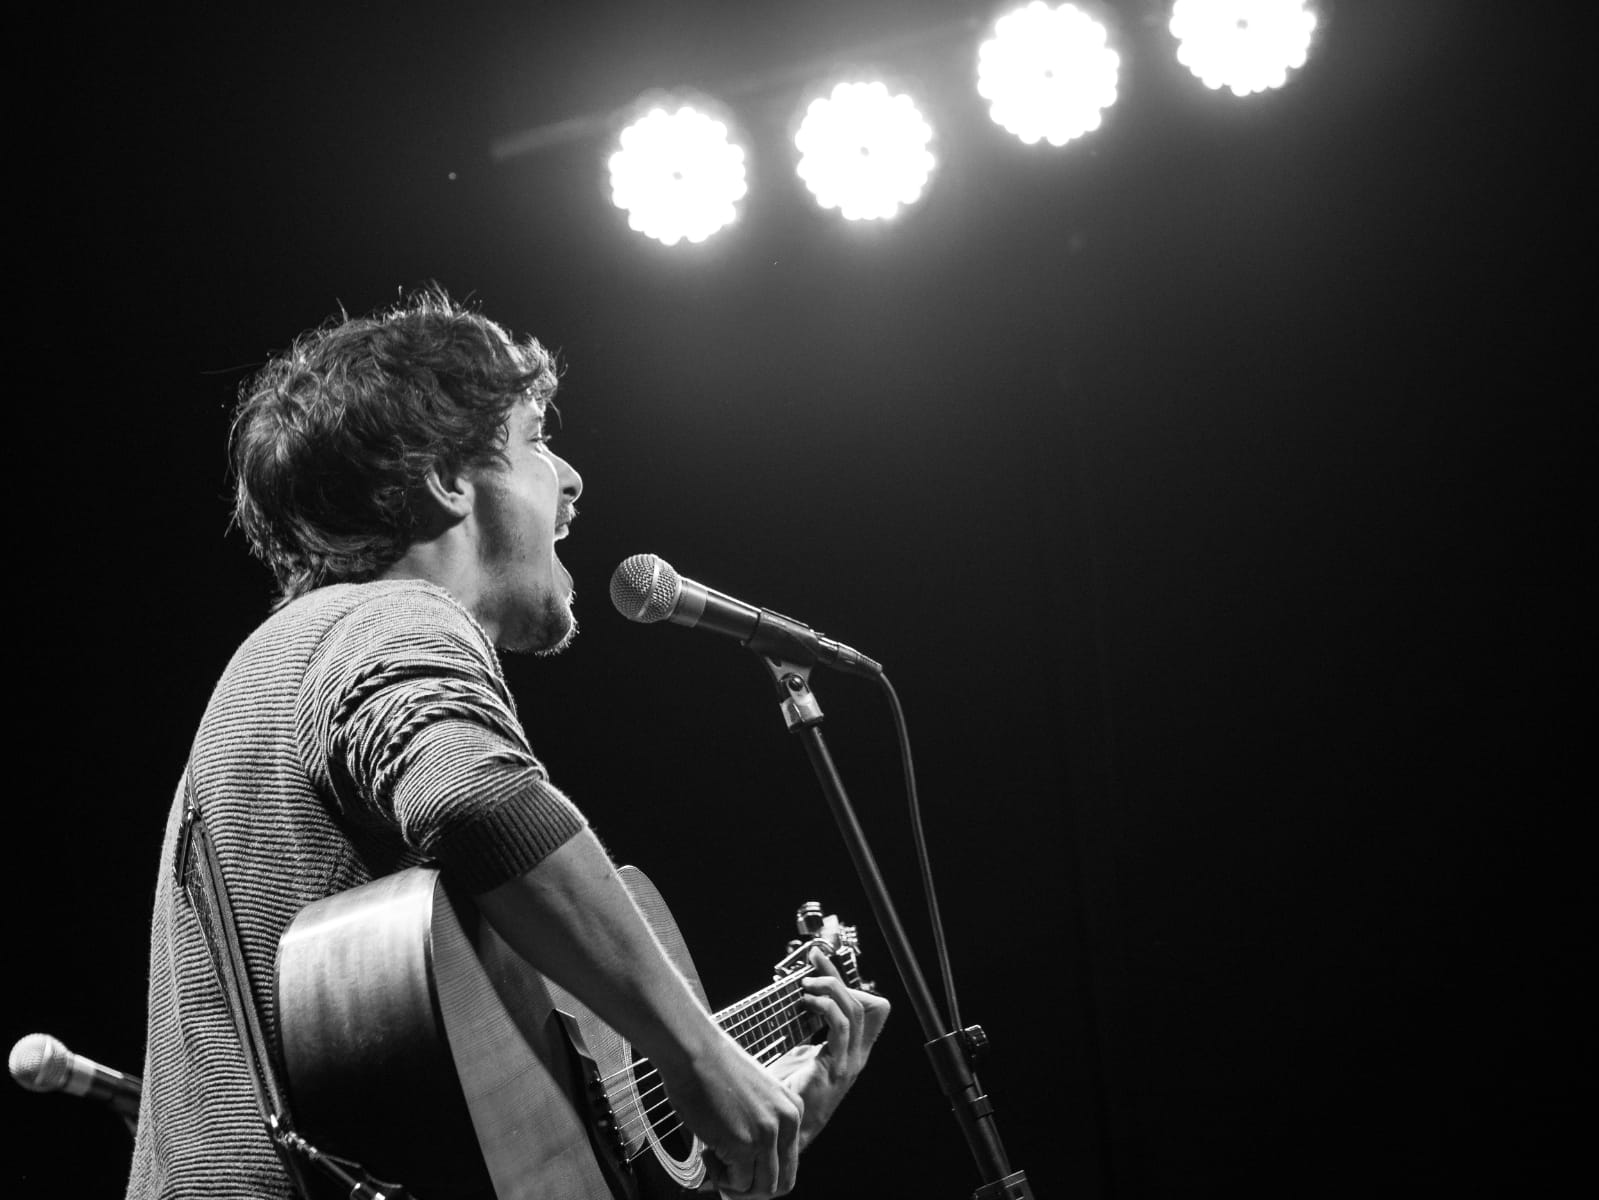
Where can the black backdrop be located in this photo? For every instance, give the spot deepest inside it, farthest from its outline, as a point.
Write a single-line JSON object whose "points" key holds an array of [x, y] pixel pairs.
{"points": [[1205, 487]]}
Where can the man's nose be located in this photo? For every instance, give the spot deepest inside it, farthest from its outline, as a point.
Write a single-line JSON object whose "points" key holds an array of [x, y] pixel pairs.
{"points": [[571, 482]]}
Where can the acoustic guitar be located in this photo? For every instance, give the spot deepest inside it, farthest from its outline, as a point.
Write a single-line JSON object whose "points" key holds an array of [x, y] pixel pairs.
{"points": [[418, 1043]]}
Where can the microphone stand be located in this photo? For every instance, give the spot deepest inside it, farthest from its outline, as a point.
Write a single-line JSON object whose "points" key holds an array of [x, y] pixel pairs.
{"points": [[953, 1053]]}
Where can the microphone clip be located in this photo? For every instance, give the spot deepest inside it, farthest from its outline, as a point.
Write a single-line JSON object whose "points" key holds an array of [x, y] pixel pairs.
{"points": [[795, 699]]}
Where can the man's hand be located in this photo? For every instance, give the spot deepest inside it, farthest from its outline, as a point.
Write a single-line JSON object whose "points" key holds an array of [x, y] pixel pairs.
{"points": [[749, 1121], [820, 1075], [813, 1078]]}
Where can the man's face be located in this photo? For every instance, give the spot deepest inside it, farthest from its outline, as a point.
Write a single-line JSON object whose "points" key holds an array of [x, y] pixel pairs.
{"points": [[522, 510]]}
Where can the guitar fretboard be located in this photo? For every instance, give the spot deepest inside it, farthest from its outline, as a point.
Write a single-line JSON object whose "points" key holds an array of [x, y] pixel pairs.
{"points": [[772, 1021]]}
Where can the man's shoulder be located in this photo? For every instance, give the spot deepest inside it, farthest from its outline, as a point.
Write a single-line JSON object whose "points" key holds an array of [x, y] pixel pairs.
{"points": [[384, 619], [390, 603], [346, 619], [340, 599]]}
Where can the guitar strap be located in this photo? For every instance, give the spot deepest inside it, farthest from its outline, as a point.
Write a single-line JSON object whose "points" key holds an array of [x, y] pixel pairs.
{"points": [[198, 873]]}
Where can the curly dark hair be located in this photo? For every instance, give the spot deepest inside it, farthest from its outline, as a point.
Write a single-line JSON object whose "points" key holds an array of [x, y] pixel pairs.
{"points": [[333, 438]]}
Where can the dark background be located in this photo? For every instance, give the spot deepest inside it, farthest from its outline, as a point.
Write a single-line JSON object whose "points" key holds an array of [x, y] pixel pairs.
{"points": [[1208, 488]]}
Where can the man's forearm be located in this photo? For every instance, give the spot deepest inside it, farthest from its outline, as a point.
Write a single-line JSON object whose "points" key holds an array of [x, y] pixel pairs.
{"points": [[572, 919]]}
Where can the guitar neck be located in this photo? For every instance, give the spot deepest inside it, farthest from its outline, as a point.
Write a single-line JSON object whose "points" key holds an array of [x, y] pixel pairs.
{"points": [[772, 1021]]}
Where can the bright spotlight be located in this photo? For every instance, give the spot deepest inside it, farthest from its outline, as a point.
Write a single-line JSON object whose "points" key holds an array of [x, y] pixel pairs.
{"points": [[1047, 73], [677, 175], [863, 151], [1245, 45]]}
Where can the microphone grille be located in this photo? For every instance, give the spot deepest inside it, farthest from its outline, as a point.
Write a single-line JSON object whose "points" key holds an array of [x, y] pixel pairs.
{"points": [[40, 1063], [645, 588]]}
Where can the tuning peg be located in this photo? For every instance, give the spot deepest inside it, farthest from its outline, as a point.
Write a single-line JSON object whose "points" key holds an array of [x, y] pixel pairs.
{"points": [[808, 920]]}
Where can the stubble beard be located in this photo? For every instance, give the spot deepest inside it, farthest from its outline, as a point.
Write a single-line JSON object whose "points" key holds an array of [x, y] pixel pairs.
{"points": [[548, 631], [559, 626]]}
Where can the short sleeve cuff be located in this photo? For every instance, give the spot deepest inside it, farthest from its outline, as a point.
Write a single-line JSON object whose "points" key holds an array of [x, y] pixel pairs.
{"points": [[509, 839]]}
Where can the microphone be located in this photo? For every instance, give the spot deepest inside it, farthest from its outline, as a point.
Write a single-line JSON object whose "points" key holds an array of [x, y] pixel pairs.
{"points": [[41, 1063], [644, 588]]}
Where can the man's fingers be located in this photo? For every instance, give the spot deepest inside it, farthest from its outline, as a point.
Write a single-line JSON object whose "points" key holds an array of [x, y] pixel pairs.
{"points": [[873, 1008], [734, 1178], [840, 1034], [844, 1013], [822, 964], [749, 1177], [785, 1152], [788, 1165], [876, 1013], [773, 1167], [768, 1169], [745, 1173]]}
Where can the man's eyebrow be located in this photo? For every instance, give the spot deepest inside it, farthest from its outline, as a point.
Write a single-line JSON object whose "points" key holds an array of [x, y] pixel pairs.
{"points": [[544, 410]]}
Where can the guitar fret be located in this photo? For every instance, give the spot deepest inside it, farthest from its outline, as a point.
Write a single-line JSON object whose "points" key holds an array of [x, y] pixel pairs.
{"points": [[770, 1018], [760, 1052]]}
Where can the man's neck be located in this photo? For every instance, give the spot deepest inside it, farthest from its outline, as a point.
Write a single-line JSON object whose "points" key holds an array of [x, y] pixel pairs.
{"points": [[451, 563]]}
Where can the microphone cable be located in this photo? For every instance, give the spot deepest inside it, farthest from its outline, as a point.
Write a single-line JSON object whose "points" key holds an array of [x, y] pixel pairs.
{"points": [[924, 862]]}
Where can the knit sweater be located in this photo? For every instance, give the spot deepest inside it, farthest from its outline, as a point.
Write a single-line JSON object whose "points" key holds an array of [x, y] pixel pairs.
{"points": [[362, 729]]}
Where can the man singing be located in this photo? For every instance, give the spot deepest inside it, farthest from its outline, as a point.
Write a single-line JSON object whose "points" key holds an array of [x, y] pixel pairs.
{"points": [[395, 472]]}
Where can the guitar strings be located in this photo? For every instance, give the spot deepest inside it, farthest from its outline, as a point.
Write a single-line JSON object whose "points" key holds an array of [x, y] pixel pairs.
{"points": [[669, 1131], [735, 1020], [774, 1053], [645, 1089], [649, 1116], [778, 1038], [757, 1011], [776, 1001]]}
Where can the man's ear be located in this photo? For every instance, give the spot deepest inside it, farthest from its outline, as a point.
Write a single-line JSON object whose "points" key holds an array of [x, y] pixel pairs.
{"points": [[449, 492]]}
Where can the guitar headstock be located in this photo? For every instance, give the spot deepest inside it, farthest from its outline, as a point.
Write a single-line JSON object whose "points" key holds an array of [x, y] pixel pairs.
{"points": [[840, 942]]}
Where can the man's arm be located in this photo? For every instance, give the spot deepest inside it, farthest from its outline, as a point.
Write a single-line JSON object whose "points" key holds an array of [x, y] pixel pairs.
{"points": [[572, 919]]}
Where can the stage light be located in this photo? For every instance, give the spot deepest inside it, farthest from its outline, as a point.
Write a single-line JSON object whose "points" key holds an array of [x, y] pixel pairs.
{"points": [[1047, 73], [1244, 45], [864, 151], [677, 175]]}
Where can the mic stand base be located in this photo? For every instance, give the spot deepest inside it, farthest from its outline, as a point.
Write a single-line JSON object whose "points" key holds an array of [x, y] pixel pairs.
{"points": [[950, 1051]]}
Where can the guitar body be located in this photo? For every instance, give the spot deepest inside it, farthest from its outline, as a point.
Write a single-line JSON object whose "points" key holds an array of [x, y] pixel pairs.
{"points": [[418, 1043]]}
